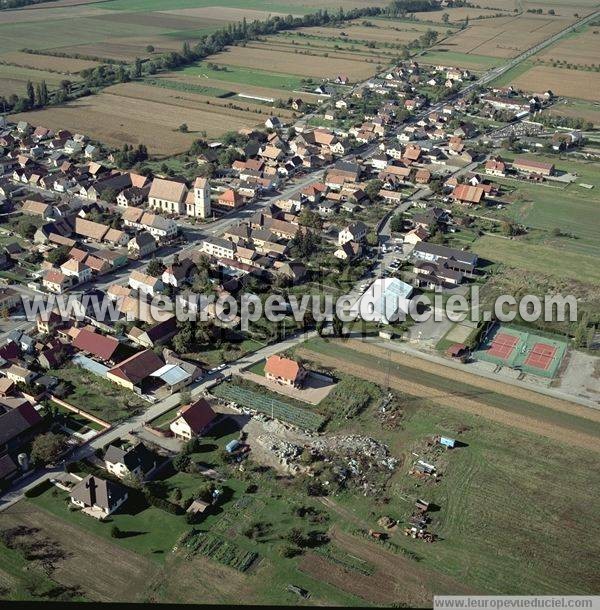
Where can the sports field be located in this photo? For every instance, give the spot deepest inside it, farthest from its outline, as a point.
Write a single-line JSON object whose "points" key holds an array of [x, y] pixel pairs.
{"points": [[522, 350]]}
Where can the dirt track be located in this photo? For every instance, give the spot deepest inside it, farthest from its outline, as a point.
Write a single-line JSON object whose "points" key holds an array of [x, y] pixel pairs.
{"points": [[461, 403]]}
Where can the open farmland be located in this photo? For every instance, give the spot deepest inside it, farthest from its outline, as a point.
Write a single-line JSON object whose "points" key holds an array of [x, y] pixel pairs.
{"points": [[291, 63], [582, 48], [87, 558], [572, 83], [590, 111], [380, 31], [204, 79], [121, 114], [13, 79], [64, 65], [503, 37]]}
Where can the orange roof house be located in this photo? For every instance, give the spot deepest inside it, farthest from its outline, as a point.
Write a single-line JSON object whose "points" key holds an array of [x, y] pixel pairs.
{"points": [[468, 194], [285, 370]]}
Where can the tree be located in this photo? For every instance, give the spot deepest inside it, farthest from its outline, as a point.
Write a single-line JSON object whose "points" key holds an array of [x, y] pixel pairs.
{"points": [[150, 48], [397, 222], [155, 267], [47, 448], [137, 69], [445, 18], [372, 189], [182, 462], [30, 93], [183, 128], [58, 256], [580, 336], [115, 532], [26, 228]]}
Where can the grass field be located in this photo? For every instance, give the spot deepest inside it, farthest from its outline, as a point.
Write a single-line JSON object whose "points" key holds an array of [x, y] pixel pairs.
{"points": [[590, 111], [446, 387], [463, 60], [13, 79], [98, 396], [245, 76], [87, 557], [538, 258]]}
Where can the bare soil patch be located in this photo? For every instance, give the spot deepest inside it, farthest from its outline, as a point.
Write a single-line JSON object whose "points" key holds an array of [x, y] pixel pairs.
{"points": [[104, 571]]}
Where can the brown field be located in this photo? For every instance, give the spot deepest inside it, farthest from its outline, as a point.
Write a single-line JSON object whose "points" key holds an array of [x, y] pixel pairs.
{"points": [[292, 63], [126, 49], [570, 83], [581, 49], [536, 425], [64, 65], [503, 36], [278, 45], [116, 117], [460, 14], [239, 88], [390, 31], [405, 580], [162, 20], [89, 561]]}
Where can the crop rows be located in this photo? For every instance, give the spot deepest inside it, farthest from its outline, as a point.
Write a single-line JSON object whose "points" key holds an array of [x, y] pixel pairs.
{"points": [[277, 409], [224, 552]]}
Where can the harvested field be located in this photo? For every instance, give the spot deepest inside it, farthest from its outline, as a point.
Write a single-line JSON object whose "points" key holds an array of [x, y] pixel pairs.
{"points": [[279, 45], [89, 561], [291, 63], [29, 14], [572, 83], [163, 20], [124, 49], [121, 114], [64, 65], [523, 409], [503, 36], [581, 49], [383, 31], [460, 14]]}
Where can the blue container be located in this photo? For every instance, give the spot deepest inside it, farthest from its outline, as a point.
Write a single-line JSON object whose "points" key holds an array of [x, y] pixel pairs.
{"points": [[231, 446], [447, 442]]}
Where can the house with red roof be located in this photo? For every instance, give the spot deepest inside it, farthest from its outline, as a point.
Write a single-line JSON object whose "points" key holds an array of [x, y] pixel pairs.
{"points": [[192, 420], [133, 371], [285, 371], [96, 345]]}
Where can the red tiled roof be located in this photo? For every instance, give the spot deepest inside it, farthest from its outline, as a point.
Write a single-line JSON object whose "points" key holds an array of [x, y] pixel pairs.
{"points": [[137, 367], [198, 415], [465, 192], [282, 367], [96, 344]]}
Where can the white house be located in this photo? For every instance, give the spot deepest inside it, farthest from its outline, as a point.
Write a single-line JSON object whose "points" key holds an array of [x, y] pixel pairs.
{"points": [[192, 420], [356, 231]]}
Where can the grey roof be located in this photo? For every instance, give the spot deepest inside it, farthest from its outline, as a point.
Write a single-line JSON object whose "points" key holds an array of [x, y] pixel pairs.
{"points": [[94, 491], [132, 457], [445, 252]]}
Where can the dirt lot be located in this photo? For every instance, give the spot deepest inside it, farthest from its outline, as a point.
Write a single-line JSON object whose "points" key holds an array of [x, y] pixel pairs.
{"points": [[572, 83], [115, 119], [66, 65], [458, 401], [89, 561], [292, 63]]}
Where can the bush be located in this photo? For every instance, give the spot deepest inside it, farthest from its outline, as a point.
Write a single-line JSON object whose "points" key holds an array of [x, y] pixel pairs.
{"points": [[115, 532]]}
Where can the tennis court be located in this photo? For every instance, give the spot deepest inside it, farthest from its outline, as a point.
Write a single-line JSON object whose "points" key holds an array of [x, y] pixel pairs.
{"points": [[522, 350]]}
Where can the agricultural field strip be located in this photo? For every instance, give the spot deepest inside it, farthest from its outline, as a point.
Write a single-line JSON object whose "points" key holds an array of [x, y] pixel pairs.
{"points": [[525, 416]]}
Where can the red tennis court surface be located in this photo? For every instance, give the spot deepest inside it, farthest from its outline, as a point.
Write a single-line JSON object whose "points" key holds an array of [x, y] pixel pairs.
{"points": [[502, 345], [541, 356]]}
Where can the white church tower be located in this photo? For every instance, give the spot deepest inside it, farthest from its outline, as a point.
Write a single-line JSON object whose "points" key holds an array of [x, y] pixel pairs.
{"points": [[201, 205]]}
